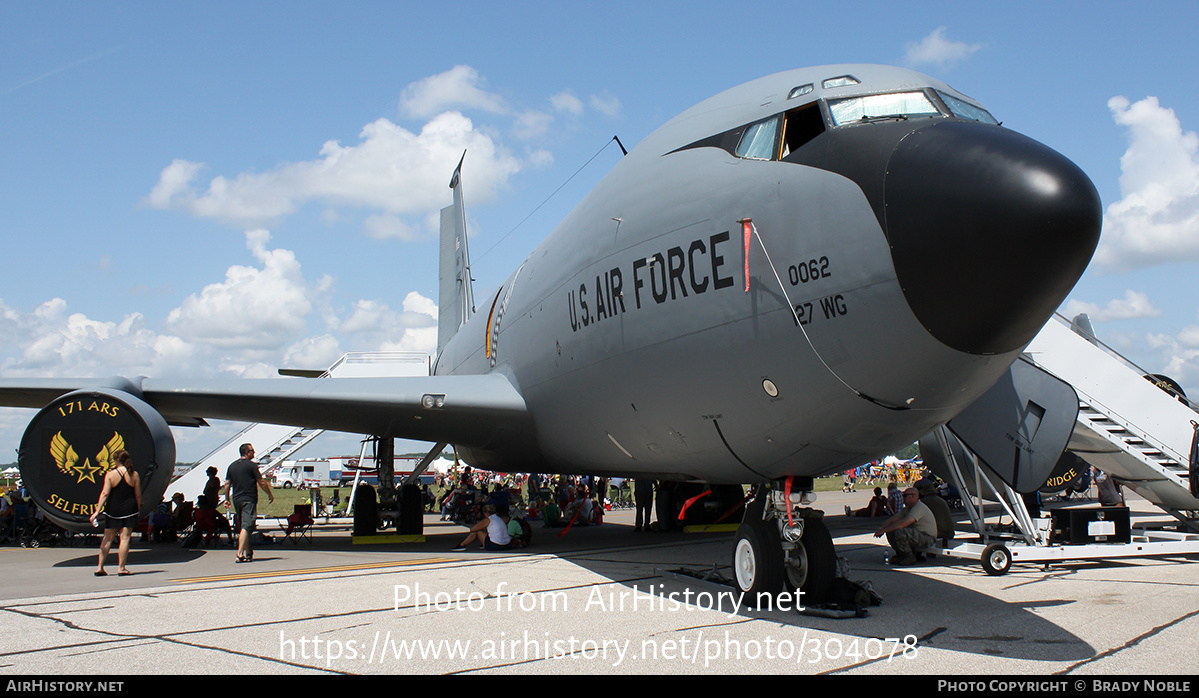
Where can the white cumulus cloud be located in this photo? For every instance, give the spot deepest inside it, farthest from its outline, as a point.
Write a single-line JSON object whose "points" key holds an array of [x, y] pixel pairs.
{"points": [[567, 102], [1157, 218], [253, 308], [936, 49], [391, 169], [1133, 305], [50, 341], [458, 87], [606, 104]]}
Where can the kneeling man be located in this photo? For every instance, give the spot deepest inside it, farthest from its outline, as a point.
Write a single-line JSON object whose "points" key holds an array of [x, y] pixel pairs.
{"points": [[912, 529]]}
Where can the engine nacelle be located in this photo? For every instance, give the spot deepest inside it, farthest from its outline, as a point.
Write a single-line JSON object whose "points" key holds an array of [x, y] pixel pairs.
{"points": [[67, 450]]}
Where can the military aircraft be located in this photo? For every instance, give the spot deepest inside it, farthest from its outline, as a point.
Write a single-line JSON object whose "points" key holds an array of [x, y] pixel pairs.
{"points": [[791, 278]]}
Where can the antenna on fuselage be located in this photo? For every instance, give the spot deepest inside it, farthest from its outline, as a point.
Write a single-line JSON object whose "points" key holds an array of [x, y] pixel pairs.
{"points": [[456, 301]]}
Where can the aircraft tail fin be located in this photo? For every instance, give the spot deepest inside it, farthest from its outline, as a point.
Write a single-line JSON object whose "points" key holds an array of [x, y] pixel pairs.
{"points": [[456, 302]]}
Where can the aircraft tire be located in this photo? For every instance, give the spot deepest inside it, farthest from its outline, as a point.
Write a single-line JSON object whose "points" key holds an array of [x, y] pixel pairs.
{"points": [[997, 559], [412, 511], [819, 567], [664, 503], [757, 560]]}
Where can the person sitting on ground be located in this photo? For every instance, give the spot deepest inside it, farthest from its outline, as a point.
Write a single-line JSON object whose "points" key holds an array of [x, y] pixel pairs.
{"points": [[894, 498], [913, 528], [551, 515], [535, 509], [875, 508], [518, 529], [579, 513], [491, 532]]}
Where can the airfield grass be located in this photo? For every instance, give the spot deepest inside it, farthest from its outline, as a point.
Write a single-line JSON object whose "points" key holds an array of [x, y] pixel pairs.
{"points": [[287, 499]]}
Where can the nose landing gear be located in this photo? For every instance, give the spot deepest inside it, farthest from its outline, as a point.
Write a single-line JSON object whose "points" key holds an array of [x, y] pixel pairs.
{"points": [[775, 553]]}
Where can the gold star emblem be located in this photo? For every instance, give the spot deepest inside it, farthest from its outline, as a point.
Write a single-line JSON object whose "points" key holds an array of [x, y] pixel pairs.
{"points": [[87, 471]]}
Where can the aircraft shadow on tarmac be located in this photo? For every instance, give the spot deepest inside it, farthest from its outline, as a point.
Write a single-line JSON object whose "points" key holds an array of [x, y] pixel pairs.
{"points": [[942, 615], [143, 557]]}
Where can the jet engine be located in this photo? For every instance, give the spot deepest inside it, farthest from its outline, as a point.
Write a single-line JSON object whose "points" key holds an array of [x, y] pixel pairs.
{"points": [[68, 448]]}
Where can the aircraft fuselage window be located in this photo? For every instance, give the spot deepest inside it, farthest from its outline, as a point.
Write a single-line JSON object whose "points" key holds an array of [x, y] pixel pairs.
{"points": [[758, 140], [896, 105], [966, 110]]}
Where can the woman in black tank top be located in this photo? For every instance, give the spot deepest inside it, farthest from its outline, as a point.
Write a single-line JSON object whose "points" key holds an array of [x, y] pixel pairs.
{"points": [[121, 502]]}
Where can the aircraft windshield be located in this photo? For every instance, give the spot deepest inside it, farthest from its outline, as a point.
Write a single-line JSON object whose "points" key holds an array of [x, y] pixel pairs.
{"points": [[966, 110], [758, 141], [897, 105]]}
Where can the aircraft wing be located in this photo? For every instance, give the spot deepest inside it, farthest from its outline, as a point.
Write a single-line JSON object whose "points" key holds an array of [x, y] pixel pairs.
{"points": [[465, 410]]}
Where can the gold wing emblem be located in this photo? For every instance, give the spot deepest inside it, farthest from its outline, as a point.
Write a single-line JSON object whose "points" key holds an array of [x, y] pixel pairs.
{"points": [[64, 455], [104, 457]]}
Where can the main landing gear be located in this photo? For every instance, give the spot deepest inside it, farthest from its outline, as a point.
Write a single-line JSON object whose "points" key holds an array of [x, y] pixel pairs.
{"points": [[777, 553]]}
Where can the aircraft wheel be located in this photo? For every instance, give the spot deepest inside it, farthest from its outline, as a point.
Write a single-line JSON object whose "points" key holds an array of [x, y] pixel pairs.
{"points": [[996, 559], [667, 516], [35, 543], [412, 510], [757, 560], [812, 565]]}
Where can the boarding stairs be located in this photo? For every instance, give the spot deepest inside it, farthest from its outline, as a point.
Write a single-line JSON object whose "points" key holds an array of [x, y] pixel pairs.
{"points": [[1127, 426], [275, 443]]}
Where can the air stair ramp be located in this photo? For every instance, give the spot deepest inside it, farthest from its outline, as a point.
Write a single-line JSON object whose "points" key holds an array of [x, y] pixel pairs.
{"points": [[1129, 427], [275, 443]]}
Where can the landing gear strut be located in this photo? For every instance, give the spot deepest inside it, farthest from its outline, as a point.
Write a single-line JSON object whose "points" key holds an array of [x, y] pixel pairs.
{"points": [[775, 552]]}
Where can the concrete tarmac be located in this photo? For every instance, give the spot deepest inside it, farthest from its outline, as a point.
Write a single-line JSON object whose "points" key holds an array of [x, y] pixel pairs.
{"points": [[596, 600]]}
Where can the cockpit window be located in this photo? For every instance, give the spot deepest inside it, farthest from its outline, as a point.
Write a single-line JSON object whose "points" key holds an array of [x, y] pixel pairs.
{"points": [[897, 105], [800, 91], [841, 81], [773, 138], [758, 140], [966, 110]]}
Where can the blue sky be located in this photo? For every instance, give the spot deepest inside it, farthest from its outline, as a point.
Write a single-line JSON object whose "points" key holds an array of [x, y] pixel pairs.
{"points": [[203, 189]]}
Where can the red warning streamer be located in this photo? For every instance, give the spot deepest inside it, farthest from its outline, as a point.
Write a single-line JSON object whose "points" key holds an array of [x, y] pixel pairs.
{"points": [[746, 229], [787, 493], [691, 501]]}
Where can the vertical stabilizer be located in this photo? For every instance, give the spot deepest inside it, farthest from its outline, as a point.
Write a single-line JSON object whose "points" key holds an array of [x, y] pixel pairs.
{"points": [[457, 301]]}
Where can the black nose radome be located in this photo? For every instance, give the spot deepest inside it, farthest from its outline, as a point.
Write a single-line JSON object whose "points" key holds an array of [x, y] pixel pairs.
{"points": [[989, 231]]}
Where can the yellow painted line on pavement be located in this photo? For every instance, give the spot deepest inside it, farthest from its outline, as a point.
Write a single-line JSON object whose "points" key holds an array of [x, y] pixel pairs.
{"points": [[315, 570]]}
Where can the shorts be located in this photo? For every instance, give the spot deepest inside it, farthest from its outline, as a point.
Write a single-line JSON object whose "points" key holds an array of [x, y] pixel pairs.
{"points": [[247, 512], [109, 522], [488, 545]]}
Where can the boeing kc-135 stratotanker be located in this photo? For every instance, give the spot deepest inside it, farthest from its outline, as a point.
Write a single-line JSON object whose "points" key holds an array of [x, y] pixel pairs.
{"points": [[791, 278]]}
